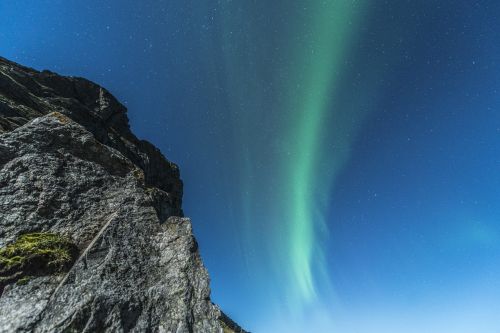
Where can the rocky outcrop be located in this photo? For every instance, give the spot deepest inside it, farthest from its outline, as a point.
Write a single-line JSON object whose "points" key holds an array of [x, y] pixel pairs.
{"points": [[70, 166]]}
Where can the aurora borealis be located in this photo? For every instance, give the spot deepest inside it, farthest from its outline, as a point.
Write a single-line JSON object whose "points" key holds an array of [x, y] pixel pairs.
{"points": [[295, 102], [331, 25], [340, 157]]}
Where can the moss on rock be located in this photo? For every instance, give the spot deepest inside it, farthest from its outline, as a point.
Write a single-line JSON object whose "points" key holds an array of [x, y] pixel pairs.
{"points": [[24, 280], [35, 254]]}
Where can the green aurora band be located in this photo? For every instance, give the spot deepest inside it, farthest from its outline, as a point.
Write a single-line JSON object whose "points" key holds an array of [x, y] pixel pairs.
{"points": [[332, 24], [289, 106]]}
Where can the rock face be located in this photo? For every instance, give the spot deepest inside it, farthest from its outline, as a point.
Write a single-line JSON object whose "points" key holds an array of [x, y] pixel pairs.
{"points": [[70, 166]]}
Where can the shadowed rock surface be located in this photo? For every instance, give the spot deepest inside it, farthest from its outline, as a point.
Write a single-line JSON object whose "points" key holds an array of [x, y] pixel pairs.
{"points": [[70, 166]]}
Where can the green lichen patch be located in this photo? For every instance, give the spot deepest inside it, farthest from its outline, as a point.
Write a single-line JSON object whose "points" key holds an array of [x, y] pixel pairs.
{"points": [[35, 254], [24, 280]]}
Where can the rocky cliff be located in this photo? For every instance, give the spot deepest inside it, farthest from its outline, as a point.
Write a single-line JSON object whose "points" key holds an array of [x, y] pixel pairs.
{"points": [[92, 237]]}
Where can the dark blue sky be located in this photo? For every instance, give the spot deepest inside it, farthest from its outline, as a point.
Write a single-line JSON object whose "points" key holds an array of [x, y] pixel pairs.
{"points": [[341, 159]]}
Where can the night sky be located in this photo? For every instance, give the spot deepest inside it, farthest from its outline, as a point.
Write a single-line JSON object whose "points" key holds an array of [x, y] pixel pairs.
{"points": [[341, 158]]}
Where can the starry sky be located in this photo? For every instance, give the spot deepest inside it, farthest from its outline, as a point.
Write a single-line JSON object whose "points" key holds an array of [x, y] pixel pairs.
{"points": [[341, 158]]}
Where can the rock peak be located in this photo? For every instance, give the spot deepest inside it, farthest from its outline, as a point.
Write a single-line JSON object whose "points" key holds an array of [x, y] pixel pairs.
{"points": [[71, 170]]}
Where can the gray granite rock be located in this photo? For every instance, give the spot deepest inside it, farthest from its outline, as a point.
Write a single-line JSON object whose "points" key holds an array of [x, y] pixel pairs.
{"points": [[70, 165]]}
